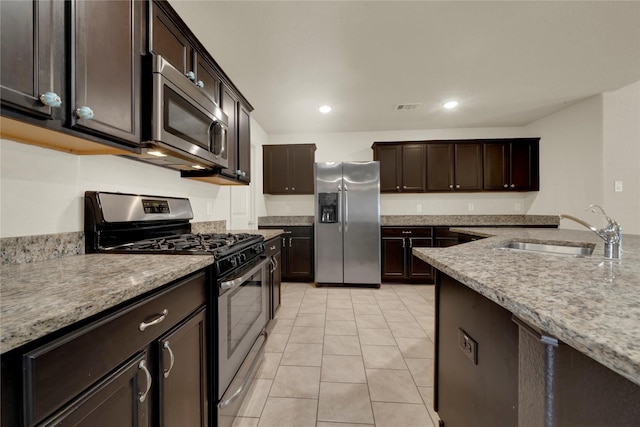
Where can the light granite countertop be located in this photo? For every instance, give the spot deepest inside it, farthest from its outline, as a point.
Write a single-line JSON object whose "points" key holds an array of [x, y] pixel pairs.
{"points": [[41, 297], [573, 299], [433, 220]]}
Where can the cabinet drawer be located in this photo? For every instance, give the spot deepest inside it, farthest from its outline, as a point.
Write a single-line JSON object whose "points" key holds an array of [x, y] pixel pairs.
{"points": [[56, 372], [273, 246], [407, 231]]}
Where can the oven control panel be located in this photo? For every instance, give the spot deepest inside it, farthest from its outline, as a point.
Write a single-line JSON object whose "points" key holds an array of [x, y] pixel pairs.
{"points": [[151, 206]]}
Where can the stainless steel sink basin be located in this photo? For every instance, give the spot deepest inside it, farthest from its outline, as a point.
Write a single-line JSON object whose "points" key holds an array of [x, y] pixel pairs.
{"points": [[577, 250]]}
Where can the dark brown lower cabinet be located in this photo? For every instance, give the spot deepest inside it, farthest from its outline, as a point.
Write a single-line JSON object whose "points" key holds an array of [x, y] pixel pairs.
{"points": [[398, 262], [143, 365], [297, 253], [274, 250]]}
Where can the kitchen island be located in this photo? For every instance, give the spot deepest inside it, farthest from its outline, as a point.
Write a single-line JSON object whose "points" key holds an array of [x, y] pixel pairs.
{"points": [[590, 304]]}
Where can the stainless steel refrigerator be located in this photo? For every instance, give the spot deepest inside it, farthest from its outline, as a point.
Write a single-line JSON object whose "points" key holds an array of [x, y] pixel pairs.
{"points": [[347, 223]]}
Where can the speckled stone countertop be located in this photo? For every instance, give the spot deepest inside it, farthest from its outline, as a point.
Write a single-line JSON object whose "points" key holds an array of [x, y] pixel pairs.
{"points": [[435, 220], [41, 297], [471, 220], [283, 221], [569, 298]]}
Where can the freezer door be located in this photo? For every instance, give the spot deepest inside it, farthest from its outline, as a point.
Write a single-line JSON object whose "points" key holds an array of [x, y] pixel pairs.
{"points": [[361, 213], [328, 229]]}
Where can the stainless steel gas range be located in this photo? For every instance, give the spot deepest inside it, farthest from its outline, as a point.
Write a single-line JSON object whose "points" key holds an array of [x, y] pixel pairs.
{"points": [[138, 224]]}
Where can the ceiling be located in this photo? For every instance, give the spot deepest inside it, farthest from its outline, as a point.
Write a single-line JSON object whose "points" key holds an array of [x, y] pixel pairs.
{"points": [[508, 63]]}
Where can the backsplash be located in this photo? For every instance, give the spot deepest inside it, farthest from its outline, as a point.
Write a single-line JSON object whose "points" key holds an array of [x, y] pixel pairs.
{"points": [[26, 249]]}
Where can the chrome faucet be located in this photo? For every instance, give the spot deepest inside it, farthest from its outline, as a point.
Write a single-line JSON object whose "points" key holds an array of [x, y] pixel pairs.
{"points": [[611, 234]]}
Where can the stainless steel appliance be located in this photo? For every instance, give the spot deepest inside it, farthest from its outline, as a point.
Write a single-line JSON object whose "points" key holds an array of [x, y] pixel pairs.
{"points": [[347, 223], [136, 224], [185, 130]]}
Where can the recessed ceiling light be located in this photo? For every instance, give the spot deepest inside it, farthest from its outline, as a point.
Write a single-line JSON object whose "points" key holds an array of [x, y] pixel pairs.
{"points": [[324, 109], [451, 104], [157, 153]]}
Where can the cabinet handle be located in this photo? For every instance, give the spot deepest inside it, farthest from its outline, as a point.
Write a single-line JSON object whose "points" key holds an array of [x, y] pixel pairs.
{"points": [[406, 232], [410, 243], [450, 185], [286, 188], [272, 248], [293, 188], [84, 113], [143, 396], [403, 243], [160, 318], [458, 186], [404, 186], [284, 243], [506, 185], [50, 99], [191, 76], [238, 172], [513, 185], [290, 242], [275, 264], [200, 84], [172, 359], [398, 187]]}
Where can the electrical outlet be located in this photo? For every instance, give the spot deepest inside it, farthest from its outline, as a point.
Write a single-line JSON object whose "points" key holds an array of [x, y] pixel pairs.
{"points": [[470, 207], [617, 186], [418, 207], [468, 345]]}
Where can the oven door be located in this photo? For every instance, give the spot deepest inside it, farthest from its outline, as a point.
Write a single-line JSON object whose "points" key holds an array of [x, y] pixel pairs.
{"points": [[185, 118], [242, 317]]}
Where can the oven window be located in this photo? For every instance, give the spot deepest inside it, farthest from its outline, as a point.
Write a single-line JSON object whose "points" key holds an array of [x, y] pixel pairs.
{"points": [[244, 308], [184, 120]]}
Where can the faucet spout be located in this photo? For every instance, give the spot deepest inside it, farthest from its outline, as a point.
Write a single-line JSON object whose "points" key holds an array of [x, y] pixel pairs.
{"points": [[611, 234]]}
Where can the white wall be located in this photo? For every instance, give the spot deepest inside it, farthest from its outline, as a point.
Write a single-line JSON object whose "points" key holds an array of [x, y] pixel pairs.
{"points": [[356, 146], [584, 149], [621, 136], [41, 191]]}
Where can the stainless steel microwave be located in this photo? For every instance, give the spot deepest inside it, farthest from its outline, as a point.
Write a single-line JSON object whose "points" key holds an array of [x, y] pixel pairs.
{"points": [[186, 128]]}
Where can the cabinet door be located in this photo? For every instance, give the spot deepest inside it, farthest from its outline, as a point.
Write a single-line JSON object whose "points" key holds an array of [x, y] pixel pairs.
{"points": [[439, 167], [275, 179], [301, 160], [106, 67], [183, 374], [206, 75], [31, 39], [468, 167], [229, 104], [390, 158], [414, 167], [394, 265], [418, 268], [114, 401], [300, 262], [524, 166], [496, 166], [244, 144], [168, 41]]}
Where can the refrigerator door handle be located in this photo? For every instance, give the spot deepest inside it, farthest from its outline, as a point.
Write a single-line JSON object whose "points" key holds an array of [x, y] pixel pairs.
{"points": [[346, 209], [339, 208]]}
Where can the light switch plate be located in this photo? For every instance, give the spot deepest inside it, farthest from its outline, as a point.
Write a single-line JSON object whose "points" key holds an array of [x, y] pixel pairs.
{"points": [[617, 186]]}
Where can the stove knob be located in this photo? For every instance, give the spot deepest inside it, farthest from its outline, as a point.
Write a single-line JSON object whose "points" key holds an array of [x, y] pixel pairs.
{"points": [[243, 257], [234, 261]]}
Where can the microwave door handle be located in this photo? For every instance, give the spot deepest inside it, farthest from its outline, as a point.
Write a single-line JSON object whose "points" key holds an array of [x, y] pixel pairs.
{"points": [[217, 131]]}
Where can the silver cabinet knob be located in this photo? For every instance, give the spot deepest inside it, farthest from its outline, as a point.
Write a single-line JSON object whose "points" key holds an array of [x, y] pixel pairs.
{"points": [[397, 187], [458, 186], [513, 185], [238, 172], [50, 99], [200, 83], [84, 113], [450, 185], [293, 188], [191, 76], [286, 188], [404, 186], [506, 186]]}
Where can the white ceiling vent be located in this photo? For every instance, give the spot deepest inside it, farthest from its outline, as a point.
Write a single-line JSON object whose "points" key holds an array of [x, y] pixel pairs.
{"points": [[405, 107]]}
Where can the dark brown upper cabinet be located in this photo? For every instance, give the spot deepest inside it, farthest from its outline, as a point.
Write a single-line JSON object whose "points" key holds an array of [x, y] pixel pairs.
{"points": [[511, 165], [168, 40], [106, 48], [31, 78], [454, 166], [402, 167], [288, 169]]}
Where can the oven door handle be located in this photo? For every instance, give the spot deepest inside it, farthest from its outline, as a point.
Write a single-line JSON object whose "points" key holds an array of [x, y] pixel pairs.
{"points": [[230, 284]]}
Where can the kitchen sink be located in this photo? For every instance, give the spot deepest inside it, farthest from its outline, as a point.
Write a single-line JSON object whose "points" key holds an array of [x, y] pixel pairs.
{"points": [[575, 250]]}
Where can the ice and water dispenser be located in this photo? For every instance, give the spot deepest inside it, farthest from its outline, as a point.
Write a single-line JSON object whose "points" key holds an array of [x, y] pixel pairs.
{"points": [[328, 207]]}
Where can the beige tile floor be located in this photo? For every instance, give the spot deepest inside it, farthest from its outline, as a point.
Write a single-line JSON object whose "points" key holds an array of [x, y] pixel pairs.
{"points": [[343, 357]]}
